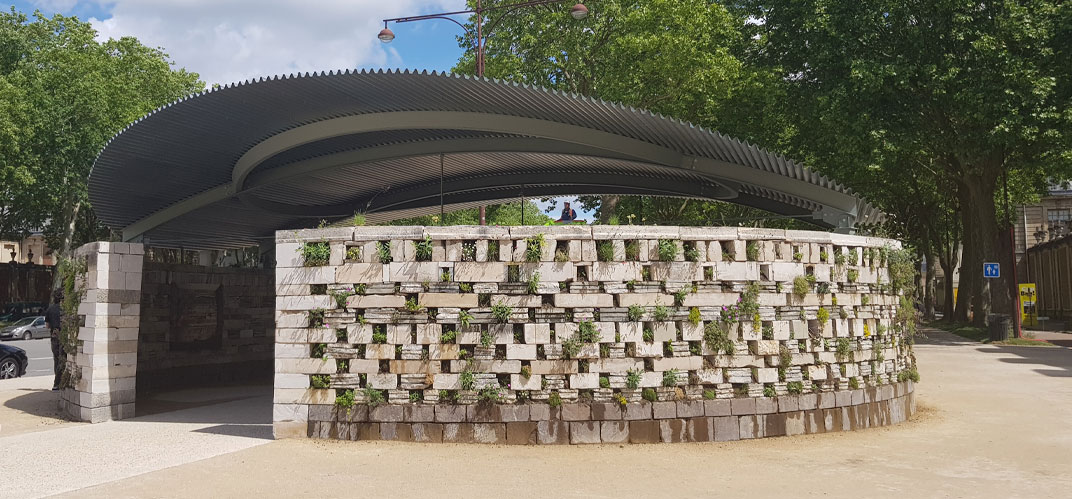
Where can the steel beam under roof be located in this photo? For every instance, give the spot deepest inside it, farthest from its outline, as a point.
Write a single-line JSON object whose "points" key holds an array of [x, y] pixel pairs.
{"points": [[228, 167]]}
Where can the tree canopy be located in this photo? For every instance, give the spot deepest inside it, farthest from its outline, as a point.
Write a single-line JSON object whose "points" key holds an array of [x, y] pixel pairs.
{"points": [[63, 95]]}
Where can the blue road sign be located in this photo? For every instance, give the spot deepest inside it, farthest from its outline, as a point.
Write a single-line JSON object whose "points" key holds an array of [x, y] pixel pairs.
{"points": [[991, 270]]}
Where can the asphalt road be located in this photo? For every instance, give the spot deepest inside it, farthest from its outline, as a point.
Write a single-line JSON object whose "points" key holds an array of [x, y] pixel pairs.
{"points": [[40, 353]]}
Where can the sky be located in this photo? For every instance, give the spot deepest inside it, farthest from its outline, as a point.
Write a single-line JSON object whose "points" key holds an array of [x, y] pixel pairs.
{"points": [[227, 41]]}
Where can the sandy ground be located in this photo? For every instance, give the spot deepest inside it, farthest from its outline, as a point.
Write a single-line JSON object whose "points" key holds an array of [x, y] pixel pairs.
{"points": [[993, 422], [27, 404]]}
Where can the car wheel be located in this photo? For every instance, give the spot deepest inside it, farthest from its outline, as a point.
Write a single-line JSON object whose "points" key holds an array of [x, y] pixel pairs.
{"points": [[9, 369], [27, 335]]}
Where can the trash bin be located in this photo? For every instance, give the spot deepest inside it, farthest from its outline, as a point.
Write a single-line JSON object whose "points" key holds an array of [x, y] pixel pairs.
{"points": [[1000, 326]]}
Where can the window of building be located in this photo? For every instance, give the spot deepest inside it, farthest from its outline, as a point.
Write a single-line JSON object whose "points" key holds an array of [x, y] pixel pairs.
{"points": [[1059, 215]]}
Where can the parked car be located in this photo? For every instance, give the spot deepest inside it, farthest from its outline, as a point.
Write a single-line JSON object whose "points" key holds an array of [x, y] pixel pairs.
{"points": [[12, 362], [15, 311], [26, 328]]}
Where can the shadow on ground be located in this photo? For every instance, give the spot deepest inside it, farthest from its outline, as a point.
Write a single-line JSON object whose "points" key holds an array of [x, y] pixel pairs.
{"points": [[235, 410], [1055, 362]]}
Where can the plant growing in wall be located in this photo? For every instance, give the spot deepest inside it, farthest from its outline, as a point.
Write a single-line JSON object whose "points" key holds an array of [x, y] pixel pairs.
{"points": [[717, 337], [375, 397], [751, 251], [667, 250], [694, 316], [353, 253], [534, 248], [823, 316], [798, 256], [316, 317], [648, 335], [670, 377], [633, 378], [448, 337], [467, 379], [605, 251], [571, 347], [554, 400], [412, 306], [379, 334], [315, 254], [823, 256], [468, 251], [534, 283], [345, 399], [464, 317], [800, 287], [768, 332], [768, 391], [853, 275], [383, 251], [561, 256], [486, 338], [587, 332], [661, 313], [632, 250], [501, 311], [636, 312], [749, 301], [320, 381], [854, 256], [649, 395], [844, 350], [692, 253], [794, 387], [340, 296], [493, 251], [423, 249], [679, 297]]}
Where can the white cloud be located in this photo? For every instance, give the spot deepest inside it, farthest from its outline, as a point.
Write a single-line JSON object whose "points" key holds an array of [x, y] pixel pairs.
{"points": [[233, 40]]}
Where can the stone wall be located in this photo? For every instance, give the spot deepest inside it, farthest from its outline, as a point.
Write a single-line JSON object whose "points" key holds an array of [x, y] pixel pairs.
{"points": [[104, 366], [204, 325], [600, 333]]}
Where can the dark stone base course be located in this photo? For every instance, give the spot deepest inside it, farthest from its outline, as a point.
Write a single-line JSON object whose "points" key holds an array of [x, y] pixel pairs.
{"points": [[643, 423]]}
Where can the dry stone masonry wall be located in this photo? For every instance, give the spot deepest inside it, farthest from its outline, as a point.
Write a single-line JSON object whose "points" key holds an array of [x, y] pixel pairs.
{"points": [[582, 334]]}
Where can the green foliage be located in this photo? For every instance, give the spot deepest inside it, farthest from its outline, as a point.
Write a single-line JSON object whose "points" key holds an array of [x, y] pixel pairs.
{"points": [[534, 248], [501, 311], [315, 254], [375, 397], [465, 287], [633, 378], [767, 332], [751, 251], [526, 372], [412, 306], [679, 297], [853, 275], [709, 395], [694, 316], [823, 316], [749, 305], [823, 256], [468, 251], [795, 387], [768, 391], [649, 395], [486, 338], [717, 337], [605, 251], [448, 337], [423, 249], [554, 400], [648, 335], [801, 286], [667, 250], [320, 380], [854, 256], [909, 374], [345, 399], [534, 283], [415, 396], [587, 332], [316, 317], [636, 313], [692, 253], [466, 379], [561, 256], [604, 382], [379, 335], [854, 383], [661, 313], [383, 250], [493, 251], [632, 250], [844, 349], [72, 274], [358, 220], [464, 317], [798, 256], [571, 346], [340, 296], [670, 377]]}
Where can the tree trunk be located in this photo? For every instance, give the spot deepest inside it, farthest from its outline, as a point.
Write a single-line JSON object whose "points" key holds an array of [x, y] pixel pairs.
{"points": [[928, 285], [965, 286], [608, 208], [989, 293]]}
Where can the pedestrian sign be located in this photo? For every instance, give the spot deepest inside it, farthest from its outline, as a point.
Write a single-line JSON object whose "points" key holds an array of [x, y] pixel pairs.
{"points": [[991, 270]]}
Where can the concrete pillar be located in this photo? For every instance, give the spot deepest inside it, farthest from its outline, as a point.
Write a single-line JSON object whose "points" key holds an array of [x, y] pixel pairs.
{"points": [[105, 365]]}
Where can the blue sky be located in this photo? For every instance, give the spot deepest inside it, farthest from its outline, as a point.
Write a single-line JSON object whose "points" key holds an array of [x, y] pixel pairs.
{"points": [[233, 40]]}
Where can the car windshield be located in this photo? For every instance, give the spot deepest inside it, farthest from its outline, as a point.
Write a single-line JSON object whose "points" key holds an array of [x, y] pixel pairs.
{"points": [[24, 322]]}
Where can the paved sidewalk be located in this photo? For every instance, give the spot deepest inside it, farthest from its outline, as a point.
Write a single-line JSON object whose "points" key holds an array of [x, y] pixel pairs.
{"points": [[214, 422], [993, 421]]}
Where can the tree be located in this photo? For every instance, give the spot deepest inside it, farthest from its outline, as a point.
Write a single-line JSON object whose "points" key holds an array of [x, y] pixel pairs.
{"points": [[675, 57], [498, 214], [965, 93], [63, 95]]}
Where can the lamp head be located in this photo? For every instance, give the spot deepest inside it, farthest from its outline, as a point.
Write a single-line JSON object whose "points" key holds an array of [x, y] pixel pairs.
{"points": [[386, 35], [579, 11]]}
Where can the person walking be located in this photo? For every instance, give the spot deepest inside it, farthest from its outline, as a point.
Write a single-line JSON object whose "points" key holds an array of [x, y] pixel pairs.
{"points": [[54, 319]]}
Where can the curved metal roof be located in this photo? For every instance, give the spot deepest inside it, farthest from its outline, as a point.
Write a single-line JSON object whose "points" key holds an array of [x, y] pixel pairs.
{"points": [[229, 166]]}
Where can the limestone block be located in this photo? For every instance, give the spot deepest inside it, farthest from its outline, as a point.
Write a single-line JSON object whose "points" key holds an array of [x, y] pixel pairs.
{"points": [[454, 251], [651, 379], [573, 250], [549, 271], [631, 332], [553, 366], [289, 290], [310, 302], [519, 382], [645, 299], [588, 251], [676, 271], [447, 300], [765, 347], [782, 330], [291, 351], [692, 332], [480, 272], [786, 271], [737, 271], [446, 382], [443, 352], [376, 301], [364, 366], [305, 275], [708, 377], [482, 250], [383, 381], [522, 352], [415, 271], [766, 375], [399, 334], [583, 300], [291, 381], [648, 349], [689, 363], [518, 301], [305, 366], [664, 331], [584, 381], [303, 396], [537, 333], [704, 299], [519, 251], [620, 366], [615, 271], [773, 299], [379, 351], [506, 251], [428, 333], [359, 273]]}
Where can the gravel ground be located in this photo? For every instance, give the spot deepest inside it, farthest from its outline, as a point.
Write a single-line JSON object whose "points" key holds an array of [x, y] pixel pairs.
{"points": [[992, 422]]}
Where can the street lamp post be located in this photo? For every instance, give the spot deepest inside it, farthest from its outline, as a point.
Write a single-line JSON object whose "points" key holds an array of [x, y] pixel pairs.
{"points": [[480, 35]]}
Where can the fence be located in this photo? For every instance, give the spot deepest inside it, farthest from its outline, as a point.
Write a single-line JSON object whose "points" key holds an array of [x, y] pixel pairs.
{"points": [[25, 282], [1050, 268]]}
